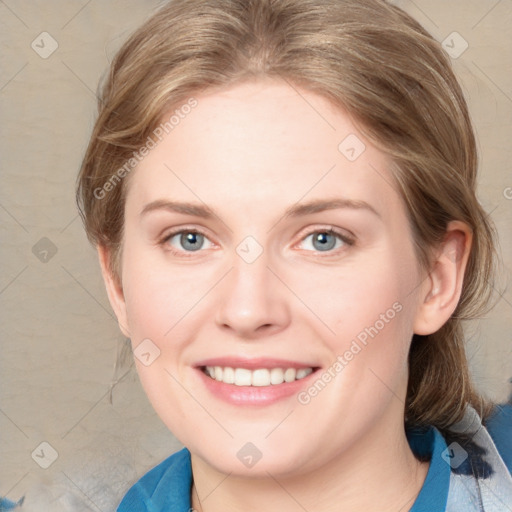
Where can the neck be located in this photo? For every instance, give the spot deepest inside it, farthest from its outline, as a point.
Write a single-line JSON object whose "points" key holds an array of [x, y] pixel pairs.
{"points": [[378, 474]]}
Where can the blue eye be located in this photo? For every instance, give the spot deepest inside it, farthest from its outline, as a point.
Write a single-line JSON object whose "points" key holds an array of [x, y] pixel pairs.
{"points": [[327, 240], [189, 240], [185, 242]]}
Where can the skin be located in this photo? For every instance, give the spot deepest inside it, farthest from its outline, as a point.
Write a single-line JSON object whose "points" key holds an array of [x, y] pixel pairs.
{"points": [[249, 152]]}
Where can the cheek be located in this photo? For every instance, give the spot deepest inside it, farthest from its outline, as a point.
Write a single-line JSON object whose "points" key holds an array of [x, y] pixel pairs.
{"points": [[149, 312], [163, 301], [385, 315], [372, 294], [158, 308], [152, 305], [371, 310]]}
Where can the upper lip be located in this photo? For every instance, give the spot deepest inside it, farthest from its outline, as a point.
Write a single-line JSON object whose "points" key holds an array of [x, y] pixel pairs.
{"points": [[253, 363]]}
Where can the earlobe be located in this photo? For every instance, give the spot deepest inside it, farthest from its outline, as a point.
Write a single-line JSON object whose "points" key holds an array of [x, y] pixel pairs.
{"points": [[114, 289], [441, 290]]}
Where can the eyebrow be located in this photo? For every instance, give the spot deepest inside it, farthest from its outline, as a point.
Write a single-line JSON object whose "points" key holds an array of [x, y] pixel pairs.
{"points": [[296, 210]]}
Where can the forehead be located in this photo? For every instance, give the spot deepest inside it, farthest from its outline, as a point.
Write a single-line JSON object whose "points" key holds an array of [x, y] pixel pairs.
{"points": [[263, 145]]}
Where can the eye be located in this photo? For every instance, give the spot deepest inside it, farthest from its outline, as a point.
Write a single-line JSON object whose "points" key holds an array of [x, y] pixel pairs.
{"points": [[186, 240], [326, 240]]}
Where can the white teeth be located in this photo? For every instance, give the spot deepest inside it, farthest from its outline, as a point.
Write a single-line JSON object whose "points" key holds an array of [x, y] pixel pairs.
{"points": [[290, 374], [303, 372], [276, 376], [228, 375], [258, 378], [243, 377]]}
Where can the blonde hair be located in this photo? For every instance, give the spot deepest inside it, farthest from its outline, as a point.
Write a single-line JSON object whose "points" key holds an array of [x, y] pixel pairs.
{"points": [[366, 56]]}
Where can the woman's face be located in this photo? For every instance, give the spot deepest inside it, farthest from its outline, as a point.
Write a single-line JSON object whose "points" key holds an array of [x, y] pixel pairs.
{"points": [[302, 282]]}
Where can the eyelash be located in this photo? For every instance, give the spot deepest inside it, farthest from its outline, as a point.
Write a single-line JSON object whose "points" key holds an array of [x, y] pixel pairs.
{"points": [[347, 240]]}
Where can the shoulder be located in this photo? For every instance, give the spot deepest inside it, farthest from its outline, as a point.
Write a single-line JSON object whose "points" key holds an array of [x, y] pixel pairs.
{"points": [[499, 426], [162, 487]]}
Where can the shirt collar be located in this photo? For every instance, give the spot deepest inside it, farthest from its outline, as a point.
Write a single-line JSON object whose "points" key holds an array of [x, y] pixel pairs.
{"points": [[434, 492], [172, 486]]}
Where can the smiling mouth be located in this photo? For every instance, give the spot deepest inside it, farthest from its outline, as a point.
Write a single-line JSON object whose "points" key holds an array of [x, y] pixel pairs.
{"points": [[256, 378]]}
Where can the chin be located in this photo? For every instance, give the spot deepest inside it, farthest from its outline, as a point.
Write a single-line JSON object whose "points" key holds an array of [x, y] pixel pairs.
{"points": [[253, 461]]}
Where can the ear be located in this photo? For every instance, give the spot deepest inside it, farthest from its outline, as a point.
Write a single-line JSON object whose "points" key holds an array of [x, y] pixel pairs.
{"points": [[114, 289], [441, 290]]}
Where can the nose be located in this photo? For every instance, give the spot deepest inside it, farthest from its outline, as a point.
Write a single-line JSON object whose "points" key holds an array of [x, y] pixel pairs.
{"points": [[252, 301]]}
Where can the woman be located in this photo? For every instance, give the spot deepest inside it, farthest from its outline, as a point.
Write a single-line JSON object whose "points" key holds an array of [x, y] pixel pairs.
{"points": [[282, 194]]}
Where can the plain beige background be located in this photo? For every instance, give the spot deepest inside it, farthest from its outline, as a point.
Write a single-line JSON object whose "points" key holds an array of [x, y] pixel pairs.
{"points": [[59, 337]]}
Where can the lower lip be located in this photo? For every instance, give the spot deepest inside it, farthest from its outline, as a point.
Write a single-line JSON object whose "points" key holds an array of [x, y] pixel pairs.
{"points": [[253, 395]]}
